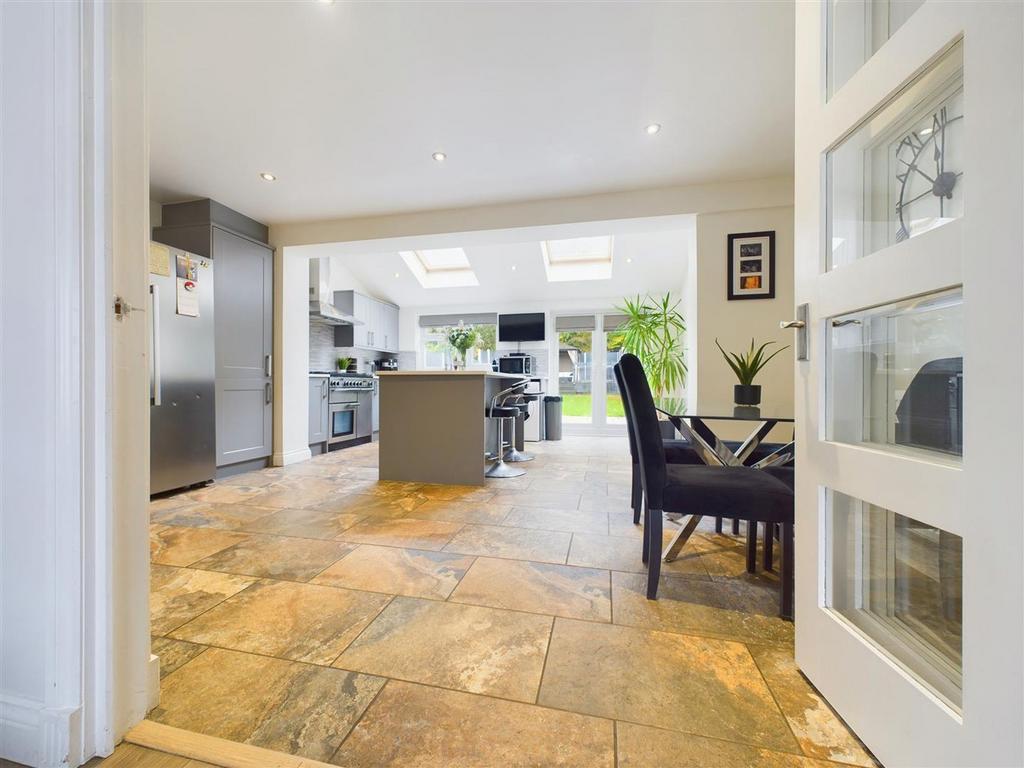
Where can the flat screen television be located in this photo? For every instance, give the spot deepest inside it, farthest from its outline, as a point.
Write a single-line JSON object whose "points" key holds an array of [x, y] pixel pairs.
{"points": [[528, 326]]}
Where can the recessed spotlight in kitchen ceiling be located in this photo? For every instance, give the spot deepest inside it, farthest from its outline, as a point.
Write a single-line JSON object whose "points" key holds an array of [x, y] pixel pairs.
{"points": [[440, 156], [513, 267], [268, 177], [397, 275], [326, 2], [653, 128]]}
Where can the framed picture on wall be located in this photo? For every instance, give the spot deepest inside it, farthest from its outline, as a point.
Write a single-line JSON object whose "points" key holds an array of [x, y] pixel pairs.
{"points": [[752, 265]]}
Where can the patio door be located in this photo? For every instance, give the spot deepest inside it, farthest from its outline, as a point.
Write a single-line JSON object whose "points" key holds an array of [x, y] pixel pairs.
{"points": [[587, 350], [909, 200]]}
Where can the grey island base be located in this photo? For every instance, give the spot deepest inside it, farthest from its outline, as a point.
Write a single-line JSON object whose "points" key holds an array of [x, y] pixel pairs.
{"points": [[432, 424]]}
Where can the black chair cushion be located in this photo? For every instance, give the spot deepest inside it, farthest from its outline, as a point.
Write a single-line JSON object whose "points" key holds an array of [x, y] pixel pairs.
{"points": [[502, 411], [681, 452], [783, 473], [733, 492]]}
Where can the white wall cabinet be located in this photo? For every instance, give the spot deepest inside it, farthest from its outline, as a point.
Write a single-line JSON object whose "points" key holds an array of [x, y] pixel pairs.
{"points": [[379, 322]]}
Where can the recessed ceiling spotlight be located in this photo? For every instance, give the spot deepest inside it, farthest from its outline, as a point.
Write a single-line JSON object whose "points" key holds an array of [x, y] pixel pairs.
{"points": [[268, 176], [326, 2], [653, 128], [513, 267], [629, 259], [397, 275], [440, 156]]}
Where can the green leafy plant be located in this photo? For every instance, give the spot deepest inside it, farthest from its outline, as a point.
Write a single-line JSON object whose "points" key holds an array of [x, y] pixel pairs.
{"points": [[344, 363], [747, 365], [653, 331], [462, 338]]}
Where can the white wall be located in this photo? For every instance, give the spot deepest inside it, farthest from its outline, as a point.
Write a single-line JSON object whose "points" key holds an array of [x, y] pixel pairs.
{"points": [[291, 353], [734, 323]]}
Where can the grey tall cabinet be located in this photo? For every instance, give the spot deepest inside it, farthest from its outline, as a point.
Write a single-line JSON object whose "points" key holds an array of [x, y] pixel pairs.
{"points": [[243, 266]]}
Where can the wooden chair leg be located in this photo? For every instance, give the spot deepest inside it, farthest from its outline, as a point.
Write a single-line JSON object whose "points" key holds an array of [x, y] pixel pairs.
{"points": [[751, 546], [718, 525], [652, 533], [647, 527], [786, 608], [735, 527], [636, 495], [769, 542]]}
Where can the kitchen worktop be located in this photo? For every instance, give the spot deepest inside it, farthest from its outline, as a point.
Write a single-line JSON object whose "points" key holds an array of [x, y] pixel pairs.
{"points": [[495, 374]]}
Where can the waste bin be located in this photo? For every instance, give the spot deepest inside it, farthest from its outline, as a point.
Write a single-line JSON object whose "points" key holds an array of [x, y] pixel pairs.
{"points": [[552, 417]]}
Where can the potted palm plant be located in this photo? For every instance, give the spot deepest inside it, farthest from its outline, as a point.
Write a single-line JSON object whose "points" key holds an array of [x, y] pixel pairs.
{"points": [[461, 338], [653, 331], [746, 366]]}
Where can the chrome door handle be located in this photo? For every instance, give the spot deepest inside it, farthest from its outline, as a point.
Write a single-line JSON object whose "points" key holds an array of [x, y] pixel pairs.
{"points": [[154, 311], [800, 325], [841, 323]]}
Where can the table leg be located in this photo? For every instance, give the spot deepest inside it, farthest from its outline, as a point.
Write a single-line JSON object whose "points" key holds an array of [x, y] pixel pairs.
{"points": [[672, 550]]}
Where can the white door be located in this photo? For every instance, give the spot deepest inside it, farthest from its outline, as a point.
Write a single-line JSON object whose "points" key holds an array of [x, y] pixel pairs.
{"points": [[909, 252]]}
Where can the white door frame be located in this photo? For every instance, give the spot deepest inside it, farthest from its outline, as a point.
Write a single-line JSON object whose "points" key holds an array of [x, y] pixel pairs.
{"points": [[901, 721]]}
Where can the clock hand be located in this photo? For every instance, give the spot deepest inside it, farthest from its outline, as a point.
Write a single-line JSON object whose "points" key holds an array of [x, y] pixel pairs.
{"points": [[913, 167]]}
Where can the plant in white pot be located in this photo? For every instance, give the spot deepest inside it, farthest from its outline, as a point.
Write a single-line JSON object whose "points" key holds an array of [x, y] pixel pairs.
{"points": [[746, 366]]}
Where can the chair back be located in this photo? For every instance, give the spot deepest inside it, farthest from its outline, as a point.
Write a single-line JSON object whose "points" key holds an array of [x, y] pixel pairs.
{"points": [[930, 414], [645, 428], [626, 409]]}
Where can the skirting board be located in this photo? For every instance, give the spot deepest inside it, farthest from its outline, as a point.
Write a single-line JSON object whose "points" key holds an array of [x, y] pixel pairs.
{"points": [[291, 457], [34, 735], [210, 749]]}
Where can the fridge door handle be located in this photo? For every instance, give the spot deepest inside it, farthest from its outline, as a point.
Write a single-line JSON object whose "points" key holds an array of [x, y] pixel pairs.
{"points": [[268, 393], [268, 365], [154, 315]]}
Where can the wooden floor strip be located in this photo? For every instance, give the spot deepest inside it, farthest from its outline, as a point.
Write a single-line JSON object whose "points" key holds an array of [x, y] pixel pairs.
{"points": [[210, 749]]}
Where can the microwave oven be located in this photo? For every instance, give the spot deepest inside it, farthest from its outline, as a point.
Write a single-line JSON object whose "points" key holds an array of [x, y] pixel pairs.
{"points": [[520, 365]]}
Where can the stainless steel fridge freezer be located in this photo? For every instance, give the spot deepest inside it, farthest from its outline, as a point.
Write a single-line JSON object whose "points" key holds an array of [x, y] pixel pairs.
{"points": [[182, 411]]}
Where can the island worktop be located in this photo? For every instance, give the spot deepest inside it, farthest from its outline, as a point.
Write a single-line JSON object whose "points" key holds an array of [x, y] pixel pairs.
{"points": [[432, 424]]}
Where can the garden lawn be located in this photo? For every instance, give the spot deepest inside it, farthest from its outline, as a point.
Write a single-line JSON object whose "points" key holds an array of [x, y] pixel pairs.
{"points": [[580, 405]]}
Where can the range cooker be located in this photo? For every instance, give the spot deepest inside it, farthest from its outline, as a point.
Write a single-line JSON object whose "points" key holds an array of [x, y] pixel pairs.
{"points": [[350, 408]]}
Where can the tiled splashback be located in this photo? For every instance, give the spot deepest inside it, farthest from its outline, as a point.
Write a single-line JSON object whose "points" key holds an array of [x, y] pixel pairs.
{"points": [[323, 355]]}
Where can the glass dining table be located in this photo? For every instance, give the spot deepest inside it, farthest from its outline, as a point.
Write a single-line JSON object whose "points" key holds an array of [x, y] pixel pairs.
{"points": [[693, 425]]}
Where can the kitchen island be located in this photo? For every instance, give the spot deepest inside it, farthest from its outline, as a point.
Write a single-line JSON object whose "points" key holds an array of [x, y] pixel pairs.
{"points": [[432, 424]]}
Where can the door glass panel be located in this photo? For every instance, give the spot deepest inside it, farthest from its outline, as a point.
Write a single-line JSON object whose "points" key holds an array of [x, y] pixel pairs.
{"points": [[857, 29], [901, 172], [896, 376], [575, 375], [616, 413], [898, 581]]}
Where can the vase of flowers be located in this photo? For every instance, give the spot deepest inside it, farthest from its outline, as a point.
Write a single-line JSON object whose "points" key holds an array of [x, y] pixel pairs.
{"points": [[461, 338]]}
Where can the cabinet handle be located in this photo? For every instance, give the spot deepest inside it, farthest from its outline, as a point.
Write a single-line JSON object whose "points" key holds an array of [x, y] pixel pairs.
{"points": [[154, 318], [323, 389], [268, 393], [268, 365]]}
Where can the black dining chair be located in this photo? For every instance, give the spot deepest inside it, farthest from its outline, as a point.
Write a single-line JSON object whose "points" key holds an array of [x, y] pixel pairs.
{"points": [[729, 492]]}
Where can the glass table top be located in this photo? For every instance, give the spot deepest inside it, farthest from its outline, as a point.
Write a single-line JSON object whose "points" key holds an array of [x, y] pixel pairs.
{"points": [[724, 411]]}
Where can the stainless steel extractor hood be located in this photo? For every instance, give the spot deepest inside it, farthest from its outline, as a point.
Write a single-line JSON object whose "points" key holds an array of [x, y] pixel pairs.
{"points": [[321, 310]]}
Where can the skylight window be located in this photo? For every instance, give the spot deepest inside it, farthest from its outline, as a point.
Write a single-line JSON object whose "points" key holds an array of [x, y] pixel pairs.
{"points": [[578, 258], [440, 268]]}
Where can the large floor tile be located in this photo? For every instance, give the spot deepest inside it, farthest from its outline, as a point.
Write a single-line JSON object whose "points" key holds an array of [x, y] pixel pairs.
{"points": [[640, 746], [414, 726], [204, 515], [680, 682], [277, 557], [301, 622], [173, 653], [817, 728], [548, 499], [369, 505], [178, 595], [402, 532], [695, 606], [225, 494], [280, 705], [615, 505], [464, 493], [480, 650], [620, 553], [410, 572], [304, 523], [182, 545], [515, 543], [463, 511], [570, 520], [555, 590], [298, 492]]}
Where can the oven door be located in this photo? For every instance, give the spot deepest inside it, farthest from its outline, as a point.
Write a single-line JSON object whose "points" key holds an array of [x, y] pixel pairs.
{"points": [[342, 422]]}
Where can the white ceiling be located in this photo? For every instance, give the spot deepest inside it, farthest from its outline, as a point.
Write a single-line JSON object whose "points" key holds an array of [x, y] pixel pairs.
{"points": [[657, 255], [346, 102]]}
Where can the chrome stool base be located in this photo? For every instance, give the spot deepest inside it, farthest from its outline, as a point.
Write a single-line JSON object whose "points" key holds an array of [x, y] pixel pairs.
{"points": [[501, 469], [513, 456]]}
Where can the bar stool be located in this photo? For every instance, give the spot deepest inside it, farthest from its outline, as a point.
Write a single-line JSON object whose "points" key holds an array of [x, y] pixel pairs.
{"points": [[513, 454], [503, 410]]}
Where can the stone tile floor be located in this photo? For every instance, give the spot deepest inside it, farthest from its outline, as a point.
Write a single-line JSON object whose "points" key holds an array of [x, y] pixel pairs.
{"points": [[315, 610]]}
